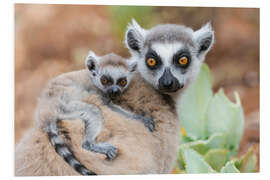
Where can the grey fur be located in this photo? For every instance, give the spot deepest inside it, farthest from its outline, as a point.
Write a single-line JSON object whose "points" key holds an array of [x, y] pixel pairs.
{"points": [[169, 33], [160, 155], [167, 41], [147, 121], [63, 100]]}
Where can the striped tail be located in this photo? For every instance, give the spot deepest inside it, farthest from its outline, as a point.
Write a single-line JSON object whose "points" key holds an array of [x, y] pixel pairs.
{"points": [[64, 151]]}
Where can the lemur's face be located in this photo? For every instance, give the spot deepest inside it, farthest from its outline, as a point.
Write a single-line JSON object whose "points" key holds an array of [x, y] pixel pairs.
{"points": [[110, 73], [168, 66], [113, 80], [169, 56]]}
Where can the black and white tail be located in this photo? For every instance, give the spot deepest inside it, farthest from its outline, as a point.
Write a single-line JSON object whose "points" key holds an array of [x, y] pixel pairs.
{"points": [[64, 151]]}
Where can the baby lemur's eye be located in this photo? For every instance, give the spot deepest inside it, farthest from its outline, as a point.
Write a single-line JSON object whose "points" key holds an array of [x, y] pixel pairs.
{"points": [[151, 62], [122, 82], [105, 80]]}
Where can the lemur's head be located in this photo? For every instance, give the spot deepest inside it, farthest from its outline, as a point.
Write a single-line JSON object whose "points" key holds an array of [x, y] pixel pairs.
{"points": [[169, 56], [110, 73]]}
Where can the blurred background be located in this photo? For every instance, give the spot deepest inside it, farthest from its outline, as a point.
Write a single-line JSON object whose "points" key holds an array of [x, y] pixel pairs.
{"points": [[53, 39]]}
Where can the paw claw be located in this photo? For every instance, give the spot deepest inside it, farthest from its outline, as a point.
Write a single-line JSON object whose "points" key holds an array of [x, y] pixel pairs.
{"points": [[86, 145], [112, 153], [150, 124]]}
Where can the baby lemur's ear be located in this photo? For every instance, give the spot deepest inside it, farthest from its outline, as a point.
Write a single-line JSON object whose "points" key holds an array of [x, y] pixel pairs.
{"points": [[205, 39], [134, 37], [132, 65], [91, 62]]}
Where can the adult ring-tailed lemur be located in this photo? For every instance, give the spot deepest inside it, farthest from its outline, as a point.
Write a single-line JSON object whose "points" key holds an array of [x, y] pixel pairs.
{"points": [[169, 58]]}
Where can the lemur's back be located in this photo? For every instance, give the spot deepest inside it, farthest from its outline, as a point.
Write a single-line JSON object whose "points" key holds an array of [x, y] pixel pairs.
{"points": [[146, 100], [70, 82], [140, 151]]}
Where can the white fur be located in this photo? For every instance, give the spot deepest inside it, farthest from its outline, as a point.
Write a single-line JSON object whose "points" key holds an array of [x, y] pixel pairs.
{"points": [[204, 32], [166, 51], [139, 33], [139, 28]]}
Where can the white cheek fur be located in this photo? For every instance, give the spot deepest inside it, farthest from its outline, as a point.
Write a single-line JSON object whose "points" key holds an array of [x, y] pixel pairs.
{"points": [[166, 52], [147, 74]]}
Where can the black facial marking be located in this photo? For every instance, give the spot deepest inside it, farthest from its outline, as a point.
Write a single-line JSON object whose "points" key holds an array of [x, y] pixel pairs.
{"points": [[168, 83], [152, 54], [181, 53], [113, 91], [205, 43], [118, 82], [133, 43], [108, 78]]}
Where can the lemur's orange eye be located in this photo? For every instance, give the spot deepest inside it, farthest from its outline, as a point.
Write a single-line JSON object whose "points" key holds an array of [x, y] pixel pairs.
{"points": [[183, 60], [123, 82], [104, 81], [151, 62]]}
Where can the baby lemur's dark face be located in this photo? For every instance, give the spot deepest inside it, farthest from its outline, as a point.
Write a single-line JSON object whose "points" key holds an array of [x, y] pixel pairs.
{"points": [[112, 80], [113, 86], [110, 73]]}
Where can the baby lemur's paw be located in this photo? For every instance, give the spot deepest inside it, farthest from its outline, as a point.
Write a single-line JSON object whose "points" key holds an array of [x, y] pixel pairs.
{"points": [[87, 145], [104, 148], [149, 123], [108, 149], [111, 152]]}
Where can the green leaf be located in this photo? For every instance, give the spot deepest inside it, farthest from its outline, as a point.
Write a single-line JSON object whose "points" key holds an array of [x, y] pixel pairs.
{"points": [[248, 161], [199, 146], [229, 168], [216, 158], [216, 141], [195, 162], [226, 117], [194, 104]]}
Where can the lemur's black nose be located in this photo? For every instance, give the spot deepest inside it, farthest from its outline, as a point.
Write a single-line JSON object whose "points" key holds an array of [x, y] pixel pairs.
{"points": [[114, 91], [168, 83]]}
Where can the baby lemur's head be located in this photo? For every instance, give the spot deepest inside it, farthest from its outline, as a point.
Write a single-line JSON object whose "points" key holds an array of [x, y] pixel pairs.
{"points": [[169, 56], [110, 73]]}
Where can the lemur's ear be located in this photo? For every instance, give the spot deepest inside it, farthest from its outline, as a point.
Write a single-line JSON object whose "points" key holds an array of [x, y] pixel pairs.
{"points": [[205, 39], [132, 65], [91, 62], [134, 37]]}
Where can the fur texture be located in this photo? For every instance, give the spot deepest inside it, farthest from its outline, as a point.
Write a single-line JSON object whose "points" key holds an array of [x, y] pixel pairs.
{"points": [[62, 100], [145, 152], [140, 151]]}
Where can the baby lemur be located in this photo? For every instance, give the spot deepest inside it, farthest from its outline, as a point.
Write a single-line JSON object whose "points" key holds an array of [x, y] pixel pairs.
{"points": [[107, 76]]}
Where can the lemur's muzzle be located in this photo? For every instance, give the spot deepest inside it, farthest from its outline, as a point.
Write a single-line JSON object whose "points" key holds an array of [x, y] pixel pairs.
{"points": [[168, 83], [113, 92]]}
